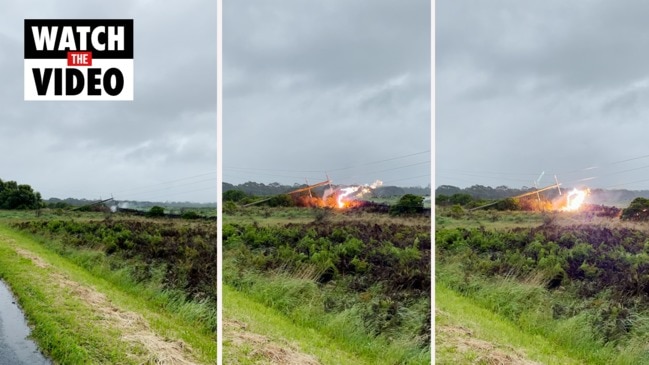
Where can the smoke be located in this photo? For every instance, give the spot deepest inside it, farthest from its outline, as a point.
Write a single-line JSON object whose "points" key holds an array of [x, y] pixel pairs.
{"points": [[376, 184], [327, 193], [349, 193], [615, 198]]}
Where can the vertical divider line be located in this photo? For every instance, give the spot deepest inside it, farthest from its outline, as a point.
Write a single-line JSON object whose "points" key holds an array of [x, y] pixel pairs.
{"points": [[219, 182], [432, 182]]}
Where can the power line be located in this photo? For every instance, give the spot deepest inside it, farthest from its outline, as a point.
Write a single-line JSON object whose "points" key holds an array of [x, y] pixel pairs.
{"points": [[379, 161], [265, 169], [180, 193], [275, 175], [167, 182], [406, 178], [628, 183], [605, 164], [400, 167], [490, 172], [493, 177], [177, 186], [329, 170]]}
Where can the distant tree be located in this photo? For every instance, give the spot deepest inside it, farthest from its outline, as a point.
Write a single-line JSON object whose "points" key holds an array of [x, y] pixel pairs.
{"points": [[15, 196], [227, 186], [282, 200], [442, 199], [156, 211], [234, 195], [408, 204], [460, 199], [387, 191], [447, 190], [58, 205]]}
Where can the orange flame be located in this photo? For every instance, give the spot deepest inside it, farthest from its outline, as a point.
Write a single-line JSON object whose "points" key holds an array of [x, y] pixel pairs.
{"points": [[345, 192]]}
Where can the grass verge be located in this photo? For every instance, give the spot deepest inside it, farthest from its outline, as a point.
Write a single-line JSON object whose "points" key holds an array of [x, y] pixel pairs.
{"points": [[467, 334], [259, 319], [64, 302]]}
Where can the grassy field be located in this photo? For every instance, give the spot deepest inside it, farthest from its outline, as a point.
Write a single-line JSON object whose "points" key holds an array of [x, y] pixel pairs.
{"points": [[356, 284], [574, 282], [270, 216], [85, 307], [255, 333], [469, 334]]}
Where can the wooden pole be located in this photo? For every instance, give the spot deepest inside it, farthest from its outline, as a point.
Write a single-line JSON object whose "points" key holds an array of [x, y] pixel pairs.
{"points": [[518, 196]]}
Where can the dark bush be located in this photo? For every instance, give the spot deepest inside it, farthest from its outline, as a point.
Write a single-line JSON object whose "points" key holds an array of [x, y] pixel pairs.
{"points": [[408, 204], [190, 214], [460, 199], [282, 200], [234, 195], [638, 210], [156, 211]]}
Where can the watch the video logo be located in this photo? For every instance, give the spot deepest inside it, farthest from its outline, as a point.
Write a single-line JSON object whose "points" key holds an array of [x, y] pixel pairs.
{"points": [[79, 59]]}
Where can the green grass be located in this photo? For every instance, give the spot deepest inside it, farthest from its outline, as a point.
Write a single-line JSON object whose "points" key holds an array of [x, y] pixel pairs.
{"points": [[519, 314], [67, 329], [301, 302], [202, 314], [269, 216], [487, 218], [525, 307], [460, 312], [268, 322], [20, 215], [372, 321], [64, 327]]}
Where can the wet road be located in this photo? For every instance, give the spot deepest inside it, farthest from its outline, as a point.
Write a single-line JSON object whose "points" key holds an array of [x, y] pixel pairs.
{"points": [[15, 347]]}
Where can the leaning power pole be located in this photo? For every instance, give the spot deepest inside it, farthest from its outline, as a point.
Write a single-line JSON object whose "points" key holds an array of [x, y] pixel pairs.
{"points": [[521, 196]]}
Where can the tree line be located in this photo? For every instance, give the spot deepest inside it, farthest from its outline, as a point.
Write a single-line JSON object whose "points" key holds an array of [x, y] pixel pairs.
{"points": [[18, 196], [481, 192], [261, 189]]}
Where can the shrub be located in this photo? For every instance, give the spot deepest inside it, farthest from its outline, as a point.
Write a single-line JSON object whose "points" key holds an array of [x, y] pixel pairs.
{"points": [[460, 198], [442, 199], [408, 204], [190, 215], [234, 195], [283, 200], [229, 207], [156, 211], [508, 204], [637, 210]]}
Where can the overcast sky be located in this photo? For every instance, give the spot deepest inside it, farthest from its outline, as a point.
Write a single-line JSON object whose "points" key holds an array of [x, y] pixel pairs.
{"points": [[339, 87], [525, 87], [161, 147]]}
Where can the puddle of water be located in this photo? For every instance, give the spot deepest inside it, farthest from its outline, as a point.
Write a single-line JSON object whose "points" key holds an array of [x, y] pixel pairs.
{"points": [[15, 347]]}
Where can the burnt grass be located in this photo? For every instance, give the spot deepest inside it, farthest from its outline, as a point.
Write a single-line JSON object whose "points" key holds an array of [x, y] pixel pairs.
{"points": [[382, 269], [179, 255], [584, 268]]}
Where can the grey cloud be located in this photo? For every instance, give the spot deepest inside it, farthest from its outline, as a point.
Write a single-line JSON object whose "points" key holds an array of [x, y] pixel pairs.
{"points": [[525, 87], [325, 85], [86, 149]]}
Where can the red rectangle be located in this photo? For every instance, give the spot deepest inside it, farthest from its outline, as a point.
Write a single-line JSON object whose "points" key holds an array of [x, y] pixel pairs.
{"points": [[79, 58]]}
